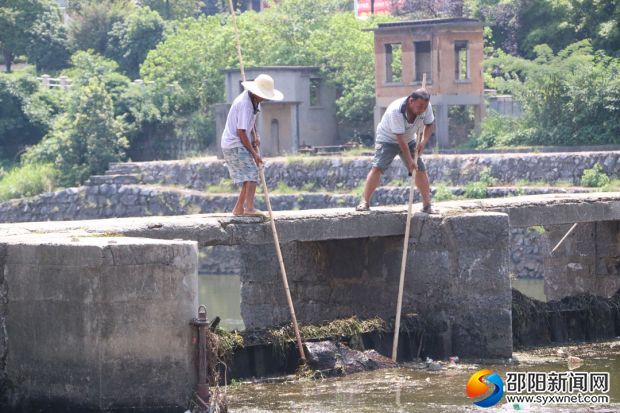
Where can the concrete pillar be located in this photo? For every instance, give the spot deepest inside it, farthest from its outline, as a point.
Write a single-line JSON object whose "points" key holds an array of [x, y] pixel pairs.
{"points": [[97, 323], [441, 122], [457, 280], [587, 262]]}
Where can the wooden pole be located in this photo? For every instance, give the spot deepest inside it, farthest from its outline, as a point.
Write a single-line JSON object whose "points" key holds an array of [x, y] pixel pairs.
{"points": [[570, 231], [403, 263], [274, 231]]}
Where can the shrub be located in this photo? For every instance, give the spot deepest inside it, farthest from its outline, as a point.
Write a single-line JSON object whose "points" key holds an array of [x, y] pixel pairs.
{"points": [[595, 177]]}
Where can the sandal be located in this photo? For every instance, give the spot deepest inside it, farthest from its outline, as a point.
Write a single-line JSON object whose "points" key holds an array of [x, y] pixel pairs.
{"points": [[255, 213], [429, 210], [363, 206]]}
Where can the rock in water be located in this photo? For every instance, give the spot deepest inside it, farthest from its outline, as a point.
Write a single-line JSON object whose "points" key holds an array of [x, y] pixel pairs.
{"points": [[333, 359]]}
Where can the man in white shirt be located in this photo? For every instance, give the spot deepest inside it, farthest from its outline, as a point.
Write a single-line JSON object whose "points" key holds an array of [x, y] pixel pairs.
{"points": [[396, 135], [240, 151]]}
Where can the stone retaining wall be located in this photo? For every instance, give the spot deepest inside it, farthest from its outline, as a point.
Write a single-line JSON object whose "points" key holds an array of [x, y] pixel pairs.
{"points": [[345, 172]]}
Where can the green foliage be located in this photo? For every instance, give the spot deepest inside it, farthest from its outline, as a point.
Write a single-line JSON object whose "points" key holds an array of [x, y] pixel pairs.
{"points": [[84, 139], [175, 9], [26, 26], [27, 181], [537, 228], [475, 190], [132, 38], [223, 187], [595, 177], [486, 178], [48, 46], [298, 32], [26, 112], [93, 20], [442, 193], [519, 26], [497, 130], [569, 98]]}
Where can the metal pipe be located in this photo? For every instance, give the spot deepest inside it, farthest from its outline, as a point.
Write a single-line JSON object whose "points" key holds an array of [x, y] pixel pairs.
{"points": [[202, 326]]}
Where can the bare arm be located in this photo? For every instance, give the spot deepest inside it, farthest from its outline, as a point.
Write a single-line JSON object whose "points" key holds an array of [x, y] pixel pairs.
{"points": [[411, 166], [256, 141], [245, 140], [426, 135]]}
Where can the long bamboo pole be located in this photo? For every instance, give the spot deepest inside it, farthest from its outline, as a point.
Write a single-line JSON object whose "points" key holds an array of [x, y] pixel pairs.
{"points": [[403, 263], [276, 240]]}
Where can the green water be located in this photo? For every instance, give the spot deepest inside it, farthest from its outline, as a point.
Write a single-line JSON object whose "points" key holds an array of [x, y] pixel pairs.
{"points": [[411, 389], [408, 388], [533, 288], [222, 295]]}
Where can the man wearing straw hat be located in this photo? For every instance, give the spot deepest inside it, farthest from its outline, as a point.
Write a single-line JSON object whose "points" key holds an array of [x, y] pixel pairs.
{"points": [[240, 141], [396, 136]]}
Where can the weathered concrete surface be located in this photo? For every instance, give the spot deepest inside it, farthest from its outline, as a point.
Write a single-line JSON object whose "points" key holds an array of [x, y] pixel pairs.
{"points": [[98, 323], [588, 261], [325, 224], [457, 281]]}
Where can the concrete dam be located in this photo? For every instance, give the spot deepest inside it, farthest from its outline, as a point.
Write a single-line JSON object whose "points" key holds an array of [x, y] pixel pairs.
{"points": [[96, 313]]}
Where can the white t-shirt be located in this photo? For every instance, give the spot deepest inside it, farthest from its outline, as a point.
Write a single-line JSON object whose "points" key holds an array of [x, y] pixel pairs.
{"points": [[240, 116], [394, 122]]}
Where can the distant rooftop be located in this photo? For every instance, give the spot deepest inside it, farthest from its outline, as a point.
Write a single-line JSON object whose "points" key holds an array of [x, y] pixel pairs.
{"points": [[430, 22], [275, 68]]}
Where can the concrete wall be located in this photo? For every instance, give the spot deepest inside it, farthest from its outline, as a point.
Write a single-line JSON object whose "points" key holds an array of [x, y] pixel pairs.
{"points": [[587, 262], [97, 323], [457, 280]]}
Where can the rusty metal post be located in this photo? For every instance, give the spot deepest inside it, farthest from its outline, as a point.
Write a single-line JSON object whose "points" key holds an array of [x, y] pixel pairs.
{"points": [[202, 326]]}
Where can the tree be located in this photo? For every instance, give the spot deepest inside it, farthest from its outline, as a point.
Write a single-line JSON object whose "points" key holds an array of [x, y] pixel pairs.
{"points": [[131, 39], [92, 21], [17, 18], [84, 139], [26, 113], [321, 33], [48, 45], [175, 9], [569, 98]]}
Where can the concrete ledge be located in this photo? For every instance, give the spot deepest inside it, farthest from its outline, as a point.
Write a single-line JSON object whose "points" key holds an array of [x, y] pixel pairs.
{"points": [[337, 223], [96, 323]]}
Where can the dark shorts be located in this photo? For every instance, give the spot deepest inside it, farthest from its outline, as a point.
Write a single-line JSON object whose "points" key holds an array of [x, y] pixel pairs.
{"points": [[386, 152]]}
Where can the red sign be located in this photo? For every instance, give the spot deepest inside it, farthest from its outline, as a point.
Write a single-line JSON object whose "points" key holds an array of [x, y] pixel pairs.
{"points": [[363, 7]]}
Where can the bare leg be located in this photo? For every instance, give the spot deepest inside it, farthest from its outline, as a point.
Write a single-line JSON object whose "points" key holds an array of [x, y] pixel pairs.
{"points": [[238, 209], [250, 191], [421, 181], [372, 182]]}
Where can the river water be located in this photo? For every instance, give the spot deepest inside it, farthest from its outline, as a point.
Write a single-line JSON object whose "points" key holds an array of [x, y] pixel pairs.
{"points": [[410, 388]]}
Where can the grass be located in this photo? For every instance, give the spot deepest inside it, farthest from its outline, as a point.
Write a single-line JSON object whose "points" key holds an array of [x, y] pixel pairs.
{"points": [[612, 186], [222, 187], [27, 180], [537, 228], [475, 190], [283, 189], [443, 193]]}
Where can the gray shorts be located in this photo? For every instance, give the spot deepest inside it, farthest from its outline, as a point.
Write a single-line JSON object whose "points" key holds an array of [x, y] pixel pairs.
{"points": [[241, 165], [385, 153]]}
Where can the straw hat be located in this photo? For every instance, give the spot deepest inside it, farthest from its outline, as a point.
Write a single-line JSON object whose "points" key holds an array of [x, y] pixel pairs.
{"points": [[263, 86]]}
